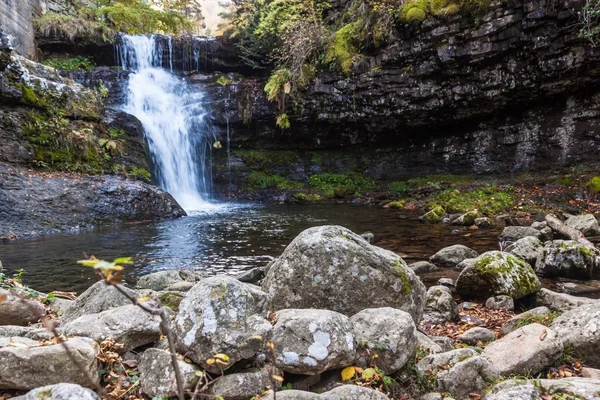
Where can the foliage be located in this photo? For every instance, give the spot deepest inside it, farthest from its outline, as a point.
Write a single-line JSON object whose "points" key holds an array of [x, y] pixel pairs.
{"points": [[593, 185], [283, 121], [141, 173], [590, 21], [342, 49], [340, 185], [399, 187], [80, 26], [489, 200], [76, 63], [262, 180]]}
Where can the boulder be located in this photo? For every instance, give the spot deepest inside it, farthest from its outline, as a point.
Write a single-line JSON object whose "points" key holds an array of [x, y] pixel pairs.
{"points": [[497, 273], [29, 332], [170, 280], [309, 342], [561, 301], [97, 298], [580, 330], [499, 302], [59, 391], [27, 364], [476, 335], [254, 275], [452, 255], [422, 267], [464, 264], [157, 375], [566, 259], [344, 392], [466, 219], [528, 248], [520, 392], [511, 234], [526, 350], [459, 372], [128, 325], [16, 310], [440, 306], [565, 388], [535, 314], [220, 315], [389, 333], [434, 344], [330, 267], [244, 385], [586, 224]]}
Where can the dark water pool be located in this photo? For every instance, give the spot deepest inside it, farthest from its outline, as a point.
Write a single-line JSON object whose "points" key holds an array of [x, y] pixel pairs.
{"points": [[229, 239]]}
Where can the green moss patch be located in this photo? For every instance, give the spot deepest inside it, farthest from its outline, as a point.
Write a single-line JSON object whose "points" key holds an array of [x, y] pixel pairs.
{"points": [[341, 185], [262, 180]]}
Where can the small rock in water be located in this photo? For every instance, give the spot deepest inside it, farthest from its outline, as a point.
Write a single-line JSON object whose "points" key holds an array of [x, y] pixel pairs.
{"points": [[499, 302], [422, 267], [455, 232], [452, 255], [484, 222], [253, 275], [448, 282], [368, 236]]}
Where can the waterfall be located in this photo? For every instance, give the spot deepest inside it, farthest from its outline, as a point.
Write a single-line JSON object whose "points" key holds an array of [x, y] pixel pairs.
{"points": [[173, 116]]}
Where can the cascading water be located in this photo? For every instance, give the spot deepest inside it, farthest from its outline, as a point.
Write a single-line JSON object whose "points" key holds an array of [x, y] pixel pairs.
{"points": [[173, 116]]}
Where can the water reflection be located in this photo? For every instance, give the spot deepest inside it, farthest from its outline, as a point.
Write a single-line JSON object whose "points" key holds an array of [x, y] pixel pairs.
{"points": [[230, 239]]}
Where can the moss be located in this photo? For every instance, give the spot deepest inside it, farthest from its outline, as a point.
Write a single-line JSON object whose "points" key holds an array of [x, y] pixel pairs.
{"points": [[434, 216], [30, 97], [141, 173], [171, 300], [397, 204], [310, 197], [414, 11], [262, 180], [399, 187], [341, 185], [495, 267], [342, 50], [398, 268], [268, 160], [489, 200], [594, 185]]}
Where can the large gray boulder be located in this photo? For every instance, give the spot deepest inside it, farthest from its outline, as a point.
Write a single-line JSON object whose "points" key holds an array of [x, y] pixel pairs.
{"points": [[244, 385], [389, 333], [344, 392], [309, 342], [580, 330], [586, 224], [59, 391], [519, 392], [26, 364], [330, 267], [511, 234], [170, 280], [566, 259], [97, 298], [157, 375], [475, 335], [452, 255], [497, 273], [565, 388], [459, 372], [528, 248], [527, 350], [15, 310], [128, 325], [561, 301], [221, 315], [440, 307]]}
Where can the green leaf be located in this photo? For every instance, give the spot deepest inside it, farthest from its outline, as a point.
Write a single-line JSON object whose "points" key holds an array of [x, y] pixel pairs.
{"points": [[123, 260]]}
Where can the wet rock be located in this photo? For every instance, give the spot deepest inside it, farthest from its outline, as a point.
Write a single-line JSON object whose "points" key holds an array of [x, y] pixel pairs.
{"points": [[422, 267], [513, 233], [535, 314], [586, 224], [520, 392], [497, 273], [330, 267], [254, 275], [466, 219], [17, 310], [459, 372], [527, 350], [567, 259], [128, 325], [476, 335], [97, 298], [499, 302], [387, 332], [452, 255], [157, 375], [31, 365], [561, 301], [220, 315], [484, 222], [580, 330], [244, 385], [434, 216], [59, 391], [440, 306], [528, 248], [308, 342]]}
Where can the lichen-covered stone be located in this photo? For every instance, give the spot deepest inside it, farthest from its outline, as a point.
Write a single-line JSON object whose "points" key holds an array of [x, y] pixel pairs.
{"points": [[586, 224], [386, 335], [440, 307], [567, 259], [245, 385], [528, 248], [527, 350], [580, 330], [452, 255], [59, 391], [344, 392], [221, 315], [329, 267], [157, 375], [568, 388], [309, 342], [497, 273]]}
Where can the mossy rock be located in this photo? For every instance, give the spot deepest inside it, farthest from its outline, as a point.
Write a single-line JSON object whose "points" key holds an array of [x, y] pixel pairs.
{"points": [[566, 259], [497, 273], [434, 216]]}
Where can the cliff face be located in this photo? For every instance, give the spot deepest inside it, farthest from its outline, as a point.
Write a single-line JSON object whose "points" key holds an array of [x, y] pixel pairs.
{"points": [[516, 90]]}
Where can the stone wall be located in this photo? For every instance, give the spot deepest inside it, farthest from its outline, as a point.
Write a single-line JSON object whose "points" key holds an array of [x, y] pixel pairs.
{"points": [[16, 19]]}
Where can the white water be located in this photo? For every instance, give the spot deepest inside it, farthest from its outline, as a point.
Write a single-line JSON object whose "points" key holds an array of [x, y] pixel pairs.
{"points": [[173, 116]]}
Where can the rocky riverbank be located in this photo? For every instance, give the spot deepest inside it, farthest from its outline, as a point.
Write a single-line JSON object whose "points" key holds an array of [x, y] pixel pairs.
{"points": [[333, 315]]}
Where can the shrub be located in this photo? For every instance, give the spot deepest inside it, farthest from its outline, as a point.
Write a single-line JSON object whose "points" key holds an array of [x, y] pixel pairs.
{"points": [[77, 63]]}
